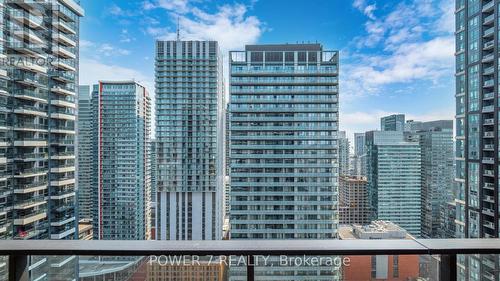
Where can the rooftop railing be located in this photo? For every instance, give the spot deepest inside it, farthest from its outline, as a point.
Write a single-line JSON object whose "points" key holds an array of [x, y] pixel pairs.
{"points": [[446, 249]]}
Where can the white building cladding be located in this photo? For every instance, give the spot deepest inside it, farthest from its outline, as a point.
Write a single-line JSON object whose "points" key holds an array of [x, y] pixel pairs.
{"points": [[189, 134], [283, 142]]}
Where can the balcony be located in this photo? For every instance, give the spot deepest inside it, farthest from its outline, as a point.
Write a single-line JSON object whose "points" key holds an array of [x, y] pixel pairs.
{"points": [[31, 142], [488, 45], [488, 108], [65, 64], [488, 58], [489, 134], [31, 95], [65, 27], [489, 32], [30, 187], [253, 254], [489, 186], [489, 212], [489, 19], [63, 90], [489, 121], [65, 39], [488, 70], [30, 110], [488, 96], [488, 7], [489, 199], [64, 51], [63, 101], [63, 76], [30, 218], [489, 83], [488, 160], [30, 172]]}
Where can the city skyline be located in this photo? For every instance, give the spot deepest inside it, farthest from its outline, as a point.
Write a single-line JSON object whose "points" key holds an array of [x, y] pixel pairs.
{"points": [[122, 49], [249, 121]]}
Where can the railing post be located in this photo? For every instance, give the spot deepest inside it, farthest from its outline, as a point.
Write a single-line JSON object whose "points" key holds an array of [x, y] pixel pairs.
{"points": [[18, 268], [448, 268], [250, 268]]}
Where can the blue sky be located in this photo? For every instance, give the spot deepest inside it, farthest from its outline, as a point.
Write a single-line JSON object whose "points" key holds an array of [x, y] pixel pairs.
{"points": [[396, 56]]}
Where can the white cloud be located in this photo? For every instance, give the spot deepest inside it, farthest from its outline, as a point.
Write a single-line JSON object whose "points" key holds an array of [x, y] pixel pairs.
{"points": [[417, 44], [116, 10], [178, 6], [91, 71], [125, 36], [102, 49], [230, 26], [367, 9]]}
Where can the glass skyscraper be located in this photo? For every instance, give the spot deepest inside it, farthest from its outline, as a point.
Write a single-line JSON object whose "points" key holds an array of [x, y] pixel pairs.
{"points": [[436, 144], [85, 137], [477, 121], [343, 153], [394, 179], [395, 122], [283, 142], [189, 140], [122, 195]]}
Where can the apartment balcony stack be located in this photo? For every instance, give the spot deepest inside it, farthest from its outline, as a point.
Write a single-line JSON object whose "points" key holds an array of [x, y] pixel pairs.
{"points": [[37, 128], [477, 148]]}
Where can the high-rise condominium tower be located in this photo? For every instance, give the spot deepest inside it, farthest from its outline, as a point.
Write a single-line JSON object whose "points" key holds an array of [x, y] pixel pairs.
{"points": [[284, 150], [122, 194], [38, 119], [85, 164], [353, 200], [395, 122], [343, 153], [394, 179], [477, 123], [359, 144], [38, 78], [436, 144], [189, 140]]}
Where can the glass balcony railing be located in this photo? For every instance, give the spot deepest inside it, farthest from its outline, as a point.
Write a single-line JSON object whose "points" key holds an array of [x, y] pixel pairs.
{"points": [[349, 260]]}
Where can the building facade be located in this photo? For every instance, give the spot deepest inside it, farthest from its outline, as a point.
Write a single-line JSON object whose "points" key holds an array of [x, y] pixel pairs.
{"points": [[189, 134], [436, 144], [358, 162], [123, 192], [85, 159], [343, 154], [353, 200], [394, 179], [38, 78], [380, 267], [284, 149], [359, 144], [154, 172], [395, 122], [478, 211]]}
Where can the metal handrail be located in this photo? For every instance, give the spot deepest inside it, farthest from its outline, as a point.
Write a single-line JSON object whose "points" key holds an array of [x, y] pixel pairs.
{"points": [[251, 247], [448, 249]]}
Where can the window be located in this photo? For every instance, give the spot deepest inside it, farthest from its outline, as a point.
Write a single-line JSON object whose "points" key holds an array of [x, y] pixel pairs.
{"points": [[474, 88], [395, 266], [473, 37]]}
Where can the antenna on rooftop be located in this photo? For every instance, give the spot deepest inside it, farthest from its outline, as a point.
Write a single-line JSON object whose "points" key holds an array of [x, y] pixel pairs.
{"points": [[178, 30]]}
